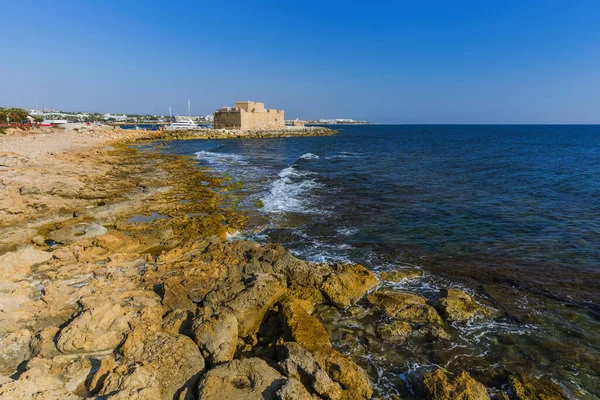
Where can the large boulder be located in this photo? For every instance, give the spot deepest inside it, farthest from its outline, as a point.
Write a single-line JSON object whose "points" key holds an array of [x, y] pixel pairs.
{"points": [[526, 387], [401, 274], [348, 283], [251, 304], [217, 337], [16, 265], [440, 386], [14, 349], [404, 306], [299, 363], [169, 363], [248, 379], [457, 305]]}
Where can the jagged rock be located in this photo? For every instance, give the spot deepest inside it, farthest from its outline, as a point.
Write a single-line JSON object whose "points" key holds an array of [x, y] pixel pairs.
{"points": [[347, 284], [43, 345], [83, 230], [299, 363], [103, 322], [58, 378], [309, 297], [14, 349], [439, 386], [252, 303], [165, 362], [177, 321], [16, 265], [395, 331], [404, 306], [217, 337], [248, 379], [526, 387], [107, 365], [95, 330], [400, 274], [293, 390], [457, 305], [26, 190], [175, 296], [301, 327]]}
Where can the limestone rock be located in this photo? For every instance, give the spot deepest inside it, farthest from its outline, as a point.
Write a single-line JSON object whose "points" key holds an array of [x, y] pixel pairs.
{"points": [[165, 362], [459, 306], [43, 345], [301, 327], [14, 349], [526, 387], [396, 331], [299, 363], [71, 233], [26, 190], [217, 337], [404, 306], [175, 296], [95, 330], [248, 379], [347, 284], [439, 386], [16, 265], [400, 274], [252, 303], [177, 321], [293, 390]]}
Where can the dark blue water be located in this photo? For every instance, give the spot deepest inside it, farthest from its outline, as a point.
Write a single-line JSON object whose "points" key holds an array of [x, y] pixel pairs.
{"points": [[509, 213]]}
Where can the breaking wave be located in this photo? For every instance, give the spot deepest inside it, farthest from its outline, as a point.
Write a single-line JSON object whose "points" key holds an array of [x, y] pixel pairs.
{"points": [[290, 192], [214, 158]]}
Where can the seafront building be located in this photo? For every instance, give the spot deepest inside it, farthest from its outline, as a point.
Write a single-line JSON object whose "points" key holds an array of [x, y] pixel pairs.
{"points": [[249, 116]]}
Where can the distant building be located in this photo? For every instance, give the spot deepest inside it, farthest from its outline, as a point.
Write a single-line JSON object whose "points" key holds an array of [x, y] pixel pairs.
{"points": [[248, 116]]}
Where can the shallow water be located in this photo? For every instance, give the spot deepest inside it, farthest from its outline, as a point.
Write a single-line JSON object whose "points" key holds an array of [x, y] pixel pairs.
{"points": [[509, 213]]}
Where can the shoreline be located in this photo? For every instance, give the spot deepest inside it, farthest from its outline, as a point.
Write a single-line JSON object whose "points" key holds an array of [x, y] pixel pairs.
{"points": [[122, 282]]}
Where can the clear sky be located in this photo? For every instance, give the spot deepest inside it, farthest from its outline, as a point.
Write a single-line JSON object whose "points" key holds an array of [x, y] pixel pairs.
{"points": [[506, 61]]}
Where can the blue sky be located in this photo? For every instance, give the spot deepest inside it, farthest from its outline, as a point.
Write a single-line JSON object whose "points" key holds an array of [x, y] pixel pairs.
{"points": [[390, 62]]}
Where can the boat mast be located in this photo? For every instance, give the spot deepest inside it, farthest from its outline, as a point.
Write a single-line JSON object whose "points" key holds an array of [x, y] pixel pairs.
{"points": [[189, 115]]}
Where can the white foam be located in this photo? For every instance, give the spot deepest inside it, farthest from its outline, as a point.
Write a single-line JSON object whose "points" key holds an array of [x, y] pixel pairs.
{"points": [[309, 156], [212, 157], [290, 192]]}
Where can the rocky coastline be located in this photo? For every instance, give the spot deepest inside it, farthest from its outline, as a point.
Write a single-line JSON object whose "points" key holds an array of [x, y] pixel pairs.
{"points": [[118, 279]]}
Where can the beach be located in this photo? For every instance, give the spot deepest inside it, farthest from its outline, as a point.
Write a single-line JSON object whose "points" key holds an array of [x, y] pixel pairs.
{"points": [[124, 276]]}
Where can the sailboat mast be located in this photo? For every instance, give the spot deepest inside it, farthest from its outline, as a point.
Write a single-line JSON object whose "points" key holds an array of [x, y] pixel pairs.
{"points": [[189, 115]]}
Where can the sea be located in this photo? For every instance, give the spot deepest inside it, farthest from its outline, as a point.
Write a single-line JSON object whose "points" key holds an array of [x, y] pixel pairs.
{"points": [[507, 213]]}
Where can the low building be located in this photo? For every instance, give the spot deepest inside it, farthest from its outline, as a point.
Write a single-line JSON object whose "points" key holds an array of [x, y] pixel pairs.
{"points": [[249, 116]]}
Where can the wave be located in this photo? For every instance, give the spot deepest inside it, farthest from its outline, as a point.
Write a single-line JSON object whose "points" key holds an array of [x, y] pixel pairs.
{"points": [[290, 192], [308, 156], [213, 158]]}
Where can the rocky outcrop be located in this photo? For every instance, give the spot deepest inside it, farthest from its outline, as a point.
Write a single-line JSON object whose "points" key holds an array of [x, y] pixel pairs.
{"points": [[347, 284], [217, 337], [14, 349], [401, 274], [79, 231], [405, 307], [248, 379], [457, 305], [527, 387], [440, 386], [165, 363], [16, 265]]}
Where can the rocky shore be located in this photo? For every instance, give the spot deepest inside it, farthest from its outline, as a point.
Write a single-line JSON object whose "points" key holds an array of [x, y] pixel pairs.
{"points": [[119, 279]]}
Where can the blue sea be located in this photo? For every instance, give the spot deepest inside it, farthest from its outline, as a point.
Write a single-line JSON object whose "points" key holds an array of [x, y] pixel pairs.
{"points": [[508, 213]]}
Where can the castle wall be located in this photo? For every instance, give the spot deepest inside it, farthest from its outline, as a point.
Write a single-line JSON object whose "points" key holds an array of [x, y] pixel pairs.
{"points": [[228, 120]]}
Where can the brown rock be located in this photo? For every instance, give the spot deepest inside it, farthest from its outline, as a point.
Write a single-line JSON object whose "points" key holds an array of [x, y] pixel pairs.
{"points": [[400, 274], [169, 363], [395, 331], [176, 296], [459, 306], [439, 386], [526, 387], [404, 306], [252, 303], [43, 345], [14, 349], [217, 337], [248, 379], [347, 284], [16, 265]]}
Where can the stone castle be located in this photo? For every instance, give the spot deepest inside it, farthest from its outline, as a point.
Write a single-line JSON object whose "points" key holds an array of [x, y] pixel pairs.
{"points": [[249, 116]]}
